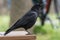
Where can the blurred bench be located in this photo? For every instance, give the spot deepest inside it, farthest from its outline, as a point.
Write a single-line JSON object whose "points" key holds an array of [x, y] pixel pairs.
{"points": [[17, 36]]}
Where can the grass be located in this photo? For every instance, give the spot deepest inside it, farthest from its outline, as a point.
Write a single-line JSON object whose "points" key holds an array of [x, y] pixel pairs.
{"points": [[51, 34]]}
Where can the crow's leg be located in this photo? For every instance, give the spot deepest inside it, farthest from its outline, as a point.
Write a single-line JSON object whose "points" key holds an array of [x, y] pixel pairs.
{"points": [[28, 32]]}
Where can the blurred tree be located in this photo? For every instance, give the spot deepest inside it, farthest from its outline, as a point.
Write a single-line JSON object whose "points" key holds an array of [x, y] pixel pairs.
{"points": [[3, 7]]}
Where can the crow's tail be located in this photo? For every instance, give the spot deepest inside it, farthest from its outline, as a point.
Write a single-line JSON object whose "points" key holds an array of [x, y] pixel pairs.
{"points": [[9, 30]]}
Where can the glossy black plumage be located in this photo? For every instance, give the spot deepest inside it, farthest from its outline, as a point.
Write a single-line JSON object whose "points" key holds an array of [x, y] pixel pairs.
{"points": [[27, 21]]}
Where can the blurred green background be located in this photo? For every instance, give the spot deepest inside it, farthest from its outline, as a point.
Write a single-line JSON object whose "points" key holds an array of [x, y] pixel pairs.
{"points": [[45, 32], [4, 22]]}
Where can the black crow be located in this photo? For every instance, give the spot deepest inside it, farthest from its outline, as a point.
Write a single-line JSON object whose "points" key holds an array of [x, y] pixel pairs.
{"points": [[27, 21]]}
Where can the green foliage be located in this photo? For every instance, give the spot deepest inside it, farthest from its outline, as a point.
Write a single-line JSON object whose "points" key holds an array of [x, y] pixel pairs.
{"points": [[38, 29], [55, 36], [4, 23]]}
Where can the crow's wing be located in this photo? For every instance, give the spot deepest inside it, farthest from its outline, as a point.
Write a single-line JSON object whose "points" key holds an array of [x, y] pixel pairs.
{"points": [[26, 18]]}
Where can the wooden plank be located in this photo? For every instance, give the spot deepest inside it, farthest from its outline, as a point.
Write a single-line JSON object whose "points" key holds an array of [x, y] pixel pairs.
{"points": [[25, 37], [19, 37]]}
